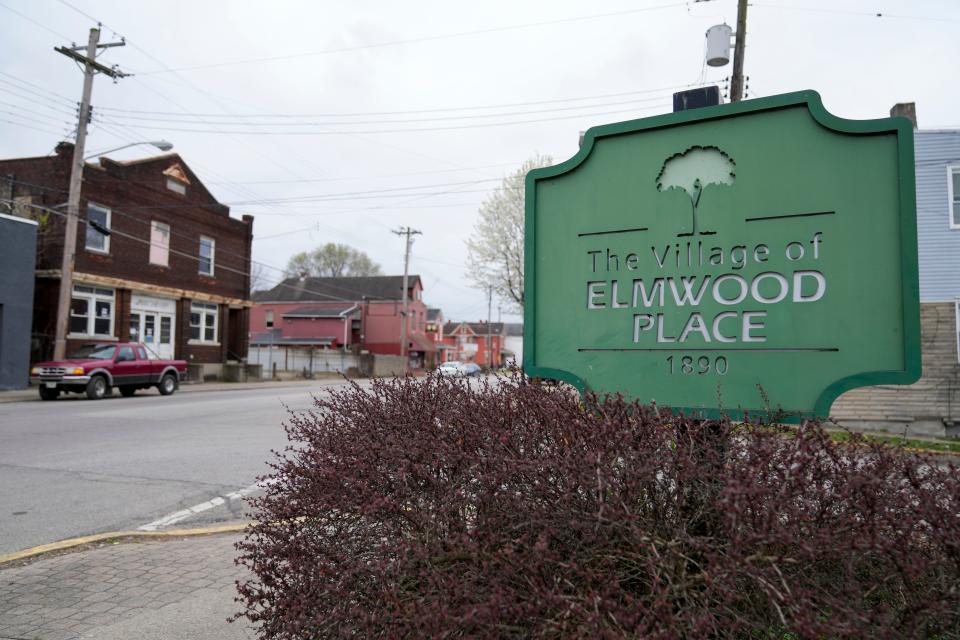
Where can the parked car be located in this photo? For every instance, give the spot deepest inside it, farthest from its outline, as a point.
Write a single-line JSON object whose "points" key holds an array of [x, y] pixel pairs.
{"points": [[472, 369], [453, 368], [96, 368]]}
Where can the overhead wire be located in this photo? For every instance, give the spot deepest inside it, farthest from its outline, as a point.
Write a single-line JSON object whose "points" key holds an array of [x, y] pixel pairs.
{"points": [[449, 36]]}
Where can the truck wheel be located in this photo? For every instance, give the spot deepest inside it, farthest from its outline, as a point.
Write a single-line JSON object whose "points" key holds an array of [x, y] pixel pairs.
{"points": [[97, 388], [49, 394], [167, 385], [127, 390]]}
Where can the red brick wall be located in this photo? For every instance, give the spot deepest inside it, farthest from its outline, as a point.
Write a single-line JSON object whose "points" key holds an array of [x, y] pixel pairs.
{"points": [[137, 195]]}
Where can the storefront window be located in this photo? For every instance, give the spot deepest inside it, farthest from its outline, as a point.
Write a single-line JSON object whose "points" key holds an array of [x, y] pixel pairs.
{"points": [[98, 301]]}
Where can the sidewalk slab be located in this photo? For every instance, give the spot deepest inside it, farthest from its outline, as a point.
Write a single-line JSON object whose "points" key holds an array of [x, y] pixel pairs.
{"points": [[156, 589]]}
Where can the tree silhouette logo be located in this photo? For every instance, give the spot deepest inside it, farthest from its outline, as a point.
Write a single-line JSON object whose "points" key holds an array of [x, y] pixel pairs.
{"points": [[693, 171]]}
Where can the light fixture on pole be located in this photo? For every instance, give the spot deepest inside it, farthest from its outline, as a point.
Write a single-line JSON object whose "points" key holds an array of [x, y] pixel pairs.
{"points": [[163, 145]]}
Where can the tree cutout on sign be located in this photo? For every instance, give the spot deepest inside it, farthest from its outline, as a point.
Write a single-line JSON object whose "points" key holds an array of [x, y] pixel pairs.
{"points": [[693, 171]]}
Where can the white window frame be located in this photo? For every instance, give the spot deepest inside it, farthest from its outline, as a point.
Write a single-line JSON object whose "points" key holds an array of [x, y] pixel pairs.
{"points": [[92, 297], [213, 253], [952, 169], [176, 186], [106, 238], [155, 226], [204, 308], [956, 324]]}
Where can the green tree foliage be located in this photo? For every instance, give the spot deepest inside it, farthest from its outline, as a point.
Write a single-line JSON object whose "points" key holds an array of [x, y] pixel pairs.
{"points": [[332, 260], [495, 248]]}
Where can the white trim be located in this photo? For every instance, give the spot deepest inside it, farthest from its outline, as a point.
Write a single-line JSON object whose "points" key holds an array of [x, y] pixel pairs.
{"points": [[19, 219], [106, 238], [201, 343], [213, 251], [92, 298], [203, 312], [951, 169], [155, 225], [956, 324]]}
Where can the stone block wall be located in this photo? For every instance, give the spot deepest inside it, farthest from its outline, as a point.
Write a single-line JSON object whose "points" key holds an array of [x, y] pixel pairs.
{"points": [[928, 407]]}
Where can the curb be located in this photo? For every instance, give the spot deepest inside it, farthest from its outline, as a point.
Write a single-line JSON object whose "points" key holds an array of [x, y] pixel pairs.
{"points": [[76, 542]]}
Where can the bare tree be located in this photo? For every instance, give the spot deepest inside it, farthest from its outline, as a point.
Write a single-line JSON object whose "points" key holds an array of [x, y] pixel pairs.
{"points": [[259, 278], [332, 260], [495, 249]]}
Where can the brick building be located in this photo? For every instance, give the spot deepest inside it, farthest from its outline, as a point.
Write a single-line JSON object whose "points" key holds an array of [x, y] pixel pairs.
{"points": [[348, 313], [468, 342], [158, 259]]}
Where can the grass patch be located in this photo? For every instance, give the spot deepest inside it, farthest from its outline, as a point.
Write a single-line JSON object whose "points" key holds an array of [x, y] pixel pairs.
{"points": [[937, 446]]}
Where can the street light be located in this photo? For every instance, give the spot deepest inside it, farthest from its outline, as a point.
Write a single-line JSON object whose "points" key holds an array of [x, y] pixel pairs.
{"points": [[163, 145]]}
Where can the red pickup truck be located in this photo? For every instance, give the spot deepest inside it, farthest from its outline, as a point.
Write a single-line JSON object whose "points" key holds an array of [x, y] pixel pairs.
{"points": [[96, 368]]}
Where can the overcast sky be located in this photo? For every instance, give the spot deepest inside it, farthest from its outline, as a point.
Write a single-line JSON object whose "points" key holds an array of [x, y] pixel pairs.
{"points": [[339, 121]]}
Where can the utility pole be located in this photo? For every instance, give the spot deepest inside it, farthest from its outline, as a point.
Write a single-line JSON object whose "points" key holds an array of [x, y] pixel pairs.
{"points": [[91, 67], [409, 233], [736, 82], [489, 313]]}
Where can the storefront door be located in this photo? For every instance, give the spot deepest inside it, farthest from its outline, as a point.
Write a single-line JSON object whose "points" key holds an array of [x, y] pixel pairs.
{"points": [[155, 331]]}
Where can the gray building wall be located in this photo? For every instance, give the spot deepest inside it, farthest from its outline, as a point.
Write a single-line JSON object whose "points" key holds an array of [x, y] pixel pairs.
{"points": [[18, 251], [939, 245]]}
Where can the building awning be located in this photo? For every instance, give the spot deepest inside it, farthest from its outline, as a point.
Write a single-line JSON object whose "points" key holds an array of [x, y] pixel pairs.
{"points": [[421, 343]]}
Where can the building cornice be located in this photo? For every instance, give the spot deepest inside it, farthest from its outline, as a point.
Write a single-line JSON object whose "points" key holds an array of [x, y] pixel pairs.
{"points": [[170, 292]]}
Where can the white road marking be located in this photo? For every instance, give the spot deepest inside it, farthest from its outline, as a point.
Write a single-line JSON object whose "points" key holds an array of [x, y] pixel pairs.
{"points": [[183, 514]]}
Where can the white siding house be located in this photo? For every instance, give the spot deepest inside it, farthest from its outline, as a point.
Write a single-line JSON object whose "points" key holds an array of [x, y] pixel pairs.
{"points": [[931, 406]]}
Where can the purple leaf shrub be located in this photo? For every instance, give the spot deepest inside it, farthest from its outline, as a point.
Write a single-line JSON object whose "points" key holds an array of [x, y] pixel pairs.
{"points": [[425, 508]]}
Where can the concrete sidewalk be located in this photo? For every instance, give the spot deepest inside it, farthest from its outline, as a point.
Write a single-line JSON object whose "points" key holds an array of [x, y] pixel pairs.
{"points": [[30, 393], [173, 588]]}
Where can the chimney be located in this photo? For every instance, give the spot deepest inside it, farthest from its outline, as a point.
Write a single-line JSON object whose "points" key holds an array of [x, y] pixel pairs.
{"points": [[65, 149], [907, 110]]}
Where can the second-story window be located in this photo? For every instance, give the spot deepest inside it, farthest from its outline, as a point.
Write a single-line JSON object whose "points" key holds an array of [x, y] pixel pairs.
{"points": [[953, 192], [207, 246], [159, 243], [96, 240]]}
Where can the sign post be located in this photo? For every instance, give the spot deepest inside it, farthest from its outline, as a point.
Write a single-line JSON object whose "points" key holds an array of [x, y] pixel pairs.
{"points": [[742, 258]]}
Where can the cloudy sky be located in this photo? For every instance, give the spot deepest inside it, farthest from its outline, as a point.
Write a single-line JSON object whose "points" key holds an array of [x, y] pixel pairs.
{"points": [[339, 121]]}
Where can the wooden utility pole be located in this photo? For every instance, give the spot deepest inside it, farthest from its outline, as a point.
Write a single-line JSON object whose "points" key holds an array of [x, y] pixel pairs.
{"points": [[489, 313], [736, 82], [91, 67], [409, 233]]}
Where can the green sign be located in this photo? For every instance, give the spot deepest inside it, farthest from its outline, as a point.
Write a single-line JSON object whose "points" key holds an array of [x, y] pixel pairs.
{"points": [[751, 256]]}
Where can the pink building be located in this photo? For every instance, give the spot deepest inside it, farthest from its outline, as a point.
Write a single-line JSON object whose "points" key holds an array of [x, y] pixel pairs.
{"points": [[353, 313]]}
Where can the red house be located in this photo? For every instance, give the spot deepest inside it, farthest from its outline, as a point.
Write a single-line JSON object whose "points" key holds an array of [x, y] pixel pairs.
{"points": [[468, 342], [350, 314]]}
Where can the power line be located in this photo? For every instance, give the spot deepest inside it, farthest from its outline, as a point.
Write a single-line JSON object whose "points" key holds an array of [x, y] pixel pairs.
{"points": [[413, 111], [433, 38], [39, 24], [863, 14], [397, 130]]}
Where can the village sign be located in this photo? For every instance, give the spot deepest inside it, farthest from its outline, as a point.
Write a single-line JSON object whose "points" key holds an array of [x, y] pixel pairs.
{"points": [[753, 256]]}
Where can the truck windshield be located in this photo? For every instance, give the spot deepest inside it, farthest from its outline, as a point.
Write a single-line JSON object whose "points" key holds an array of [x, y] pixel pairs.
{"points": [[94, 352]]}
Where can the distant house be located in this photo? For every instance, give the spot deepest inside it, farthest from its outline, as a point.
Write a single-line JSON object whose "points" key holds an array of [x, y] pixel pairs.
{"points": [[158, 259], [931, 405], [469, 342], [435, 333], [354, 314], [513, 343]]}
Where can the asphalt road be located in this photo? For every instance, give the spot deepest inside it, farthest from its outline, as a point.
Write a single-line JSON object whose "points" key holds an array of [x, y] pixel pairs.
{"points": [[75, 466]]}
